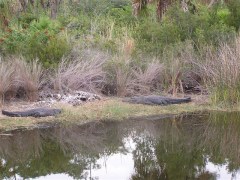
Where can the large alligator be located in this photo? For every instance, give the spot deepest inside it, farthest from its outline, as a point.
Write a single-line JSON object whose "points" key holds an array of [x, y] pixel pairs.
{"points": [[38, 112], [156, 100]]}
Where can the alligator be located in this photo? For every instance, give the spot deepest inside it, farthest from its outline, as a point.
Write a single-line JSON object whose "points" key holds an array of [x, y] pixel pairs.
{"points": [[38, 112], [156, 100]]}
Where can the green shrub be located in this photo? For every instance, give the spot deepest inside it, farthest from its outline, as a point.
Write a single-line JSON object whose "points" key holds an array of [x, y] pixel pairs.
{"points": [[43, 39], [234, 16], [93, 7], [223, 14], [122, 15], [25, 19], [208, 26], [153, 37], [5, 7]]}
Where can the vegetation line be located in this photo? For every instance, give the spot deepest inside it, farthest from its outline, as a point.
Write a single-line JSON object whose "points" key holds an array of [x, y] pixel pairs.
{"points": [[120, 48]]}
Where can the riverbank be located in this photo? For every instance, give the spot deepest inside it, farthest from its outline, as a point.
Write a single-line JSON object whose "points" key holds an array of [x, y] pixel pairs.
{"points": [[105, 109]]}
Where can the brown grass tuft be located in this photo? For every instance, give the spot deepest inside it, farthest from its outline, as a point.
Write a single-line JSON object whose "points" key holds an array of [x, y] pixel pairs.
{"points": [[221, 70], [6, 77], [28, 76], [83, 73], [18, 76], [144, 81]]}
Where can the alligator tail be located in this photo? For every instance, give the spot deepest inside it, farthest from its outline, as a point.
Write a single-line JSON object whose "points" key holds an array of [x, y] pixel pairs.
{"points": [[11, 114], [184, 100]]}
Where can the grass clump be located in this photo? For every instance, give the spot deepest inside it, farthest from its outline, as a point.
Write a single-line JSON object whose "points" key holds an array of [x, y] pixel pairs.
{"points": [[6, 78], [222, 74], [84, 72], [28, 77], [18, 78], [42, 38]]}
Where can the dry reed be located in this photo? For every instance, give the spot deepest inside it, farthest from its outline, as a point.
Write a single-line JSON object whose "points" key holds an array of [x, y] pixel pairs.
{"points": [[6, 77], [16, 74], [221, 71], [144, 81], [28, 76], [82, 73]]}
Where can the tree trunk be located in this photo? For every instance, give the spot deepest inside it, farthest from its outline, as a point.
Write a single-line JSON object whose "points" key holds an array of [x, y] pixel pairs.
{"points": [[23, 4], [31, 2], [184, 5], [42, 4], [138, 5], [136, 8], [162, 7], [53, 7]]}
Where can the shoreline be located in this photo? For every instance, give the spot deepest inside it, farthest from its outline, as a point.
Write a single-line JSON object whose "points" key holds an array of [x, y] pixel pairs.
{"points": [[110, 108]]}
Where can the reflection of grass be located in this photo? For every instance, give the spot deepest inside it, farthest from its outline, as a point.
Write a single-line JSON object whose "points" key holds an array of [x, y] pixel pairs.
{"points": [[113, 109], [8, 123]]}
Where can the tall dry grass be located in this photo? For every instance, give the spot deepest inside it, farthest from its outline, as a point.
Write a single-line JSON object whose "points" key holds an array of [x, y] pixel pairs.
{"points": [[18, 77], [121, 74], [28, 76], [146, 80], [84, 72], [221, 70], [6, 78], [129, 76], [177, 61]]}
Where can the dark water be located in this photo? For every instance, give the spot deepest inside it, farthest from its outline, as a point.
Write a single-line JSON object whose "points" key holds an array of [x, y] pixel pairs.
{"points": [[205, 146]]}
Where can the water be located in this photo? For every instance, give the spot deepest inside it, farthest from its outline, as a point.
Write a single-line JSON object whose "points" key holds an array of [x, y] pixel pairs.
{"points": [[198, 146]]}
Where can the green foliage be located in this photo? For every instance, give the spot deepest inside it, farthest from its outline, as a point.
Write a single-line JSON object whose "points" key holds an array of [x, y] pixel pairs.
{"points": [[225, 96], [234, 16], [4, 7], [223, 14], [153, 37], [42, 38], [122, 15], [25, 19], [96, 7], [208, 26]]}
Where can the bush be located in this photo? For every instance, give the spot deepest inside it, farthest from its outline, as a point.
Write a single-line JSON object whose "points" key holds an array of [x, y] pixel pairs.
{"points": [[93, 7], [222, 73], [156, 37], [42, 38], [122, 15], [234, 16], [205, 27]]}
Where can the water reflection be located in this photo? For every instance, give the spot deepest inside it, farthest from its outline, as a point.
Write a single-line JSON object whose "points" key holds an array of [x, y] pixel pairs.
{"points": [[188, 147]]}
